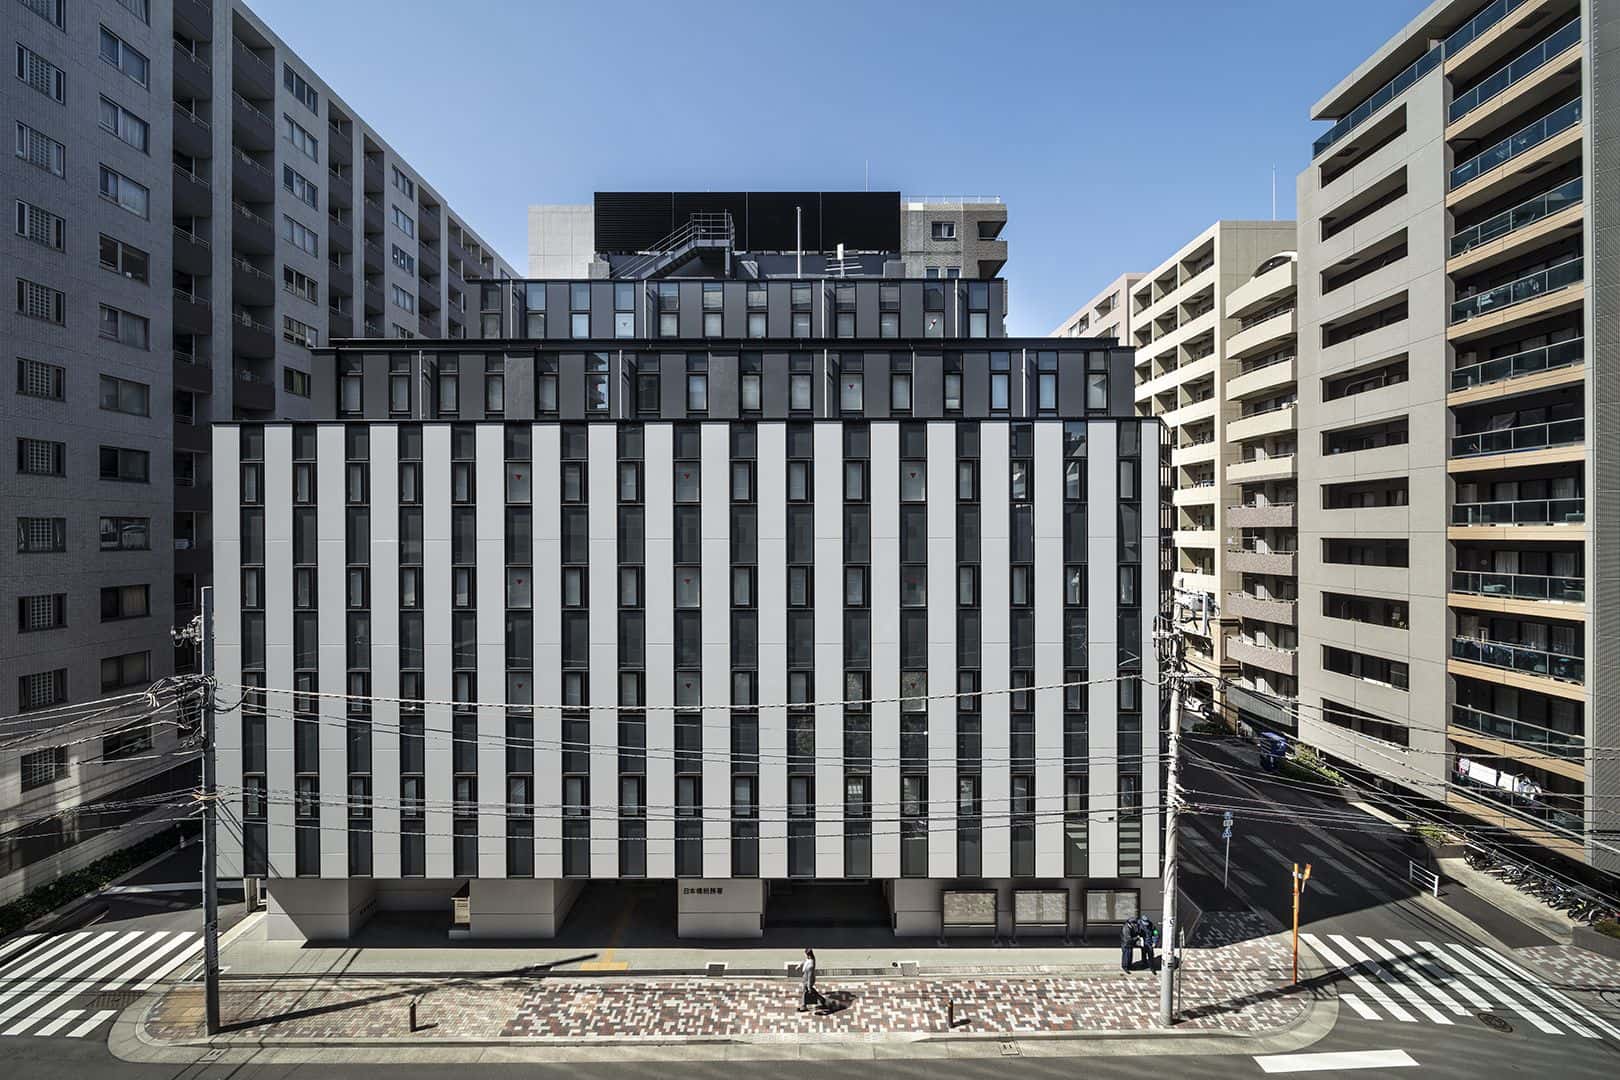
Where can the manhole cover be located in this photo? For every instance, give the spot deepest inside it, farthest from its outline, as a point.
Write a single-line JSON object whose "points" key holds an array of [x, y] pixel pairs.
{"points": [[1010, 1049], [1494, 1022]]}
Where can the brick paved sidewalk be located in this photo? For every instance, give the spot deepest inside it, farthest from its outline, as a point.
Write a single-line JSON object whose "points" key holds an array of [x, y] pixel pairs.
{"points": [[1573, 968], [1237, 987]]}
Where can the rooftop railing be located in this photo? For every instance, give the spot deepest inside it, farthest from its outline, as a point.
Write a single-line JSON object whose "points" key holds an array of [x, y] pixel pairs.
{"points": [[1379, 98], [1465, 34]]}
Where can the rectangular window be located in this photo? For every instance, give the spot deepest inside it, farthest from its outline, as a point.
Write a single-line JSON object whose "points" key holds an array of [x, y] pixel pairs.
{"points": [[141, 9], [118, 188], [295, 332], [298, 88], [126, 534], [124, 327], [122, 464], [302, 188], [40, 150], [121, 258], [125, 124], [41, 226], [944, 230], [125, 396], [300, 284], [404, 222], [295, 382], [130, 669], [116, 51], [300, 235], [295, 133], [126, 602], [41, 457], [41, 301], [44, 767], [35, 378], [41, 535], [404, 183], [404, 300], [41, 74], [47, 611], [404, 259]]}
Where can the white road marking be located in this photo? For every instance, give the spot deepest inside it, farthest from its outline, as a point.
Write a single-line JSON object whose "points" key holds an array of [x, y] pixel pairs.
{"points": [[91, 1024], [59, 1023], [1491, 988], [1432, 967], [1417, 976], [1385, 977], [1346, 1059], [59, 959], [1481, 959], [1360, 1006], [185, 954], [115, 954], [1367, 985], [16, 944], [134, 972], [1537, 981]]}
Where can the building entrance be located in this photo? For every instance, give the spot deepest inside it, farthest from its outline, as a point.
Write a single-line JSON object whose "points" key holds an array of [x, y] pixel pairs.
{"points": [[802, 904]]}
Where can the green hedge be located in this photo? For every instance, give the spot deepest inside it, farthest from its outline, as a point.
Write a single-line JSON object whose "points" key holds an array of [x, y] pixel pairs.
{"points": [[1607, 926], [47, 898]]}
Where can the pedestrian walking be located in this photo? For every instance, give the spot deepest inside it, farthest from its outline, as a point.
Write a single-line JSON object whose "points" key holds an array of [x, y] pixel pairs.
{"points": [[1144, 927], [1127, 944], [807, 982]]}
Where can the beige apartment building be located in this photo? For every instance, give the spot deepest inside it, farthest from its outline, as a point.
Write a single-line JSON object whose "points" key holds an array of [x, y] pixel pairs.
{"points": [[1457, 466], [1218, 314]]}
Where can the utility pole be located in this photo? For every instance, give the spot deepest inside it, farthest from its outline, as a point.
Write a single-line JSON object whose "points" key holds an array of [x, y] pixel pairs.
{"points": [[1172, 803], [1299, 887], [210, 848]]}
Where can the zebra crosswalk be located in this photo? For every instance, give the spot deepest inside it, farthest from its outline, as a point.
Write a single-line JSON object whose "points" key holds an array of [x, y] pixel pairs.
{"points": [[51, 984], [1425, 981]]}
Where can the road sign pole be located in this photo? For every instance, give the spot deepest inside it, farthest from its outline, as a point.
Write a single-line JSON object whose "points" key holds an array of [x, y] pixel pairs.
{"points": [[1299, 886], [1226, 867]]}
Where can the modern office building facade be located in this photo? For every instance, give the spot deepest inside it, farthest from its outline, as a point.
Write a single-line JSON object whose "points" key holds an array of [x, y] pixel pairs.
{"points": [[1205, 324], [1456, 381], [195, 209], [730, 588]]}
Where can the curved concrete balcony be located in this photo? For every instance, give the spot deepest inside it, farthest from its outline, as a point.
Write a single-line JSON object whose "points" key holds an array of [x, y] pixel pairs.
{"points": [[1258, 292], [1204, 539], [1263, 335], [1193, 453], [1203, 494], [1247, 561], [1272, 516], [1246, 606], [1259, 425], [1193, 412], [1258, 381], [1244, 651], [1271, 468]]}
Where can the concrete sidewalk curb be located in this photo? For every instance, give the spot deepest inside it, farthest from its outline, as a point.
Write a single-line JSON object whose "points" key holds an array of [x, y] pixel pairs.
{"points": [[129, 1041]]}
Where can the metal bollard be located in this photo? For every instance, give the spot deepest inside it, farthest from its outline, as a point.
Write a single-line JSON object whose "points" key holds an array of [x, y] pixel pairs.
{"points": [[950, 1014], [413, 1013]]}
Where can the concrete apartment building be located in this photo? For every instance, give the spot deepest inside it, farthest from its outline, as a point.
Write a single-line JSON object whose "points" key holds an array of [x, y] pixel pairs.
{"points": [[1459, 606], [941, 236], [1204, 323], [717, 581], [1108, 314], [195, 210]]}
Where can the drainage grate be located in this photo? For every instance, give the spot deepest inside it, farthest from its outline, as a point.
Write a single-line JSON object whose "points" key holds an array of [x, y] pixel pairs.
{"points": [[114, 999], [1010, 1049], [213, 1055], [1494, 1022]]}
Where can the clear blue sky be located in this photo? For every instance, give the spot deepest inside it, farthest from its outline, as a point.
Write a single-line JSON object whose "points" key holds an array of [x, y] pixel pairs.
{"points": [[1114, 129]]}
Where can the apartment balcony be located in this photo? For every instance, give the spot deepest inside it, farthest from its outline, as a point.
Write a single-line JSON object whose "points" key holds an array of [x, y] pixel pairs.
{"points": [[193, 374], [192, 313], [193, 136], [254, 393], [371, 169], [340, 324], [192, 194], [1202, 493], [1193, 411], [1249, 560], [1542, 71], [251, 72], [1557, 288], [194, 18], [251, 285], [340, 189], [250, 337], [1261, 516], [1499, 29], [1255, 470], [1504, 372], [1263, 335], [372, 295], [1259, 380], [372, 214], [1551, 140], [1519, 519], [1519, 658], [1266, 657], [1263, 290], [1526, 739], [252, 232], [1534, 595], [1553, 215], [1194, 453], [1528, 444], [339, 275], [192, 253], [1257, 425], [428, 326], [1248, 606], [251, 180], [1195, 538], [251, 126], [194, 439]]}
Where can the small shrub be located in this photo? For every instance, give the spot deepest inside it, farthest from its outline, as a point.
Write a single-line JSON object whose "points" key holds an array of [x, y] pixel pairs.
{"points": [[1608, 927]]}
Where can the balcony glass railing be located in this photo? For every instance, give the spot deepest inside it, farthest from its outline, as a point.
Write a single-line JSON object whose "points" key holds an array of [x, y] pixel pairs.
{"points": [[1526, 437], [1569, 590], [1539, 739], [1464, 35], [1519, 658], [1522, 65], [1380, 97], [1526, 138], [1529, 212], [1562, 812], [1520, 512], [1540, 283], [1546, 358]]}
